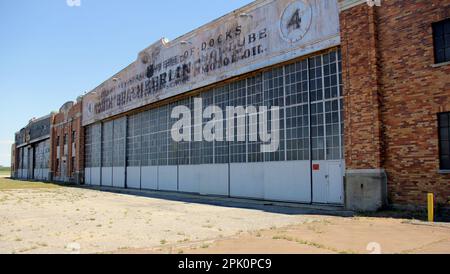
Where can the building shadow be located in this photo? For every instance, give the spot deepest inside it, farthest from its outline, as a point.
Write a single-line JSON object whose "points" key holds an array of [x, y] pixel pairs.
{"points": [[221, 201]]}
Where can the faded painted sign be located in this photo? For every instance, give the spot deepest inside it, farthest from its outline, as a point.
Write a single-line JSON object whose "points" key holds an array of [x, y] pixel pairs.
{"points": [[261, 34]]}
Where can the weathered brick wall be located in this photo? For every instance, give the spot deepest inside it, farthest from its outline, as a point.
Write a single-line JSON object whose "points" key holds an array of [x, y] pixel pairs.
{"points": [[397, 51], [75, 114], [359, 72], [65, 124], [57, 130]]}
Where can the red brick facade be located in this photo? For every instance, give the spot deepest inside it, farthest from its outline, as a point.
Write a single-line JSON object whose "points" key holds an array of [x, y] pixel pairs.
{"points": [[67, 159], [393, 93]]}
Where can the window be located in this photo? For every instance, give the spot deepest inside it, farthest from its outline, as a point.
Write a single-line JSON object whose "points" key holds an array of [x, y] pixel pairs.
{"points": [[441, 36], [57, 141], [65, 139], [444, 140], [74, 136]]}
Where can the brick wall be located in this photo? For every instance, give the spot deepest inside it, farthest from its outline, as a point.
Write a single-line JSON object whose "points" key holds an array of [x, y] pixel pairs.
{"points": [[65, 122], [393, 95]]}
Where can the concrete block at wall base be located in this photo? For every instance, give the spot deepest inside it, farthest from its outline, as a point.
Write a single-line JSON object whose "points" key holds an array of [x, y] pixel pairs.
{"points": [[366, 190]]}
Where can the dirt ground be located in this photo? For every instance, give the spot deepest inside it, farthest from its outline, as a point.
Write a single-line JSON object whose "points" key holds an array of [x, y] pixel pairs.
{"points": [[73, 220]]}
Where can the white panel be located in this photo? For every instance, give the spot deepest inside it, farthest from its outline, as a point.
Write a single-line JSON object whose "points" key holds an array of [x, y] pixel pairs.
{"points": [[320, 182], [87, 176], [247, 180], [119, 177], [168, 178], [134, 177], [190, 178], [107, 176], [214, 179], [204, 179], [95, 176], [149, 177], [287, 181]]}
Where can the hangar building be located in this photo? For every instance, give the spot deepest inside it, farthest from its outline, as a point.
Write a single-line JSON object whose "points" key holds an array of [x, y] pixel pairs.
{"points": [[356, 96]]}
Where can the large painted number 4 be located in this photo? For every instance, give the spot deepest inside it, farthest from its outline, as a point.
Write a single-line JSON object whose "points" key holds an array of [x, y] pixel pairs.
{"points": [[372, 3], [295, 21]]}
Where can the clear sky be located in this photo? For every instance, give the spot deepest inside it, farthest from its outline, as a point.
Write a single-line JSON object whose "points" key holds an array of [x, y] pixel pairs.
{"points": [[51, 53]]}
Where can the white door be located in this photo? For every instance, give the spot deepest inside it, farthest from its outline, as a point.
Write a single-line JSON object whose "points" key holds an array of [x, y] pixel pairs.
{"points": [[328, 182], [335, 183], [320, 182]]}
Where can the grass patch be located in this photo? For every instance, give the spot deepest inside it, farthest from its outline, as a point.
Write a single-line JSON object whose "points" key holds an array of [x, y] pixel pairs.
{"points": [[8, 184], [4, 173]]}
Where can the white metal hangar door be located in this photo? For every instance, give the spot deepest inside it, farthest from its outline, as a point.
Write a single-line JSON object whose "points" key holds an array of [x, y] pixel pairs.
{"points": [[327, 128], [307, 167], [93, 155]]}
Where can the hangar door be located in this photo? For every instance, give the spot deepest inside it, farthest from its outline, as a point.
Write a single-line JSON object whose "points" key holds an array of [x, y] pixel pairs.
{"points": [[138, 152], [327, 128]]}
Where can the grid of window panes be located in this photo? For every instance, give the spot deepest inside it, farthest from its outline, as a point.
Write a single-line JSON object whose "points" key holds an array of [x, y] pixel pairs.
{"points": [[134, 134], [207, 146], [308, 94], [163, 135], [107, 144], [444, 140], [297, 132], [172, 152], [150, 126], [38, 155], [25, 158], [182, 156], [119, 143], [42, 155], [88, 147], [96, 145], [21, 159], [332, 88], [441, 36], [273, 94], [297, 111], [341, 101], [222, 148], [196, 147], [236, 123], [46, 152], [316, 81], [255, 98]]}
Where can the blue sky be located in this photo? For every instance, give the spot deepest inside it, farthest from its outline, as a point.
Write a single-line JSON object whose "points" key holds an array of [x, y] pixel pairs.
{"points": [[51, 53]]}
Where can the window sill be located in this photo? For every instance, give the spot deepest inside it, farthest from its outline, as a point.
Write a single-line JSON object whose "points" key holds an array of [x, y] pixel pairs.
{"points": [[440, 64], [446, 171]]}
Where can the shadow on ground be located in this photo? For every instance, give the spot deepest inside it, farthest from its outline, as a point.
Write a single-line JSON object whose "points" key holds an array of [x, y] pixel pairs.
{"points": [[266, 206]]}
